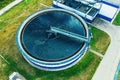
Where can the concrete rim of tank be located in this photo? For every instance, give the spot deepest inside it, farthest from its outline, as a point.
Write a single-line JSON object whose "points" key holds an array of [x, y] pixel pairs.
{"points": [[40, 12]]}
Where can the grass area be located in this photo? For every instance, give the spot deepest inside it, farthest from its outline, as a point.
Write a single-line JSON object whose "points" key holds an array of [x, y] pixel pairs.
{"points": [[82, 70], [117, 20], [119, 75], [9, 23], [100, 40], [4, 3]]}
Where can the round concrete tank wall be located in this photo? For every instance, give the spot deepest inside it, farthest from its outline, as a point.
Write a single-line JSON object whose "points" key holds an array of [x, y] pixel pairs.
{"points": [[53, 39]]}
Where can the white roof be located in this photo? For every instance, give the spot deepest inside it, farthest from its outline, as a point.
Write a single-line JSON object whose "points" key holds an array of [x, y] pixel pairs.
{"points": [[16, 76], [92, 1], [108, 11], [117, 2]]}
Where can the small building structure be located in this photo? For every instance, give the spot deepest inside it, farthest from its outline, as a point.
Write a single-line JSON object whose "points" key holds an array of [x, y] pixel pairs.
{"points": [[87, 9], [16, 76], [90, 9]]}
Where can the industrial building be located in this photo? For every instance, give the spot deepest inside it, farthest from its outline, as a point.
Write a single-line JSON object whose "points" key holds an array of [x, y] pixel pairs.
{"points": [[89, 9]]}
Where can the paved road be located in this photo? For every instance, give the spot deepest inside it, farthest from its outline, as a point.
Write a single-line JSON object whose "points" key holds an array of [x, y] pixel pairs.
{"points": [[108, 65]]}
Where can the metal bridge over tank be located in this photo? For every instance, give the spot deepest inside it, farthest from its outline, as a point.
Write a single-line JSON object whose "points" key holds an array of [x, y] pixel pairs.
{"points": [[69, 34]]}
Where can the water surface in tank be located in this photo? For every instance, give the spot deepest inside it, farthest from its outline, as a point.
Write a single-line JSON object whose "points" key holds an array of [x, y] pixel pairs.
{"points": [[41, 43]]}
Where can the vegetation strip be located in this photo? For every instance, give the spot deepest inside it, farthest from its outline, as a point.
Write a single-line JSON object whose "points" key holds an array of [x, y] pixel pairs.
{"points": [[100, 40], [117, 20], [4, 3]]}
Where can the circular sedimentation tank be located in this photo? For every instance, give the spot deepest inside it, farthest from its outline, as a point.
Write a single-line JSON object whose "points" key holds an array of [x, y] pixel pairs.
{"points": [[53, 39]]}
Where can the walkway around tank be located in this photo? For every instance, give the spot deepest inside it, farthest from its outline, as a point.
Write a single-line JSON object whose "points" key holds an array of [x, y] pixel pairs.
{"points": [[110, 61], [97, 53], [8, 7]]}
